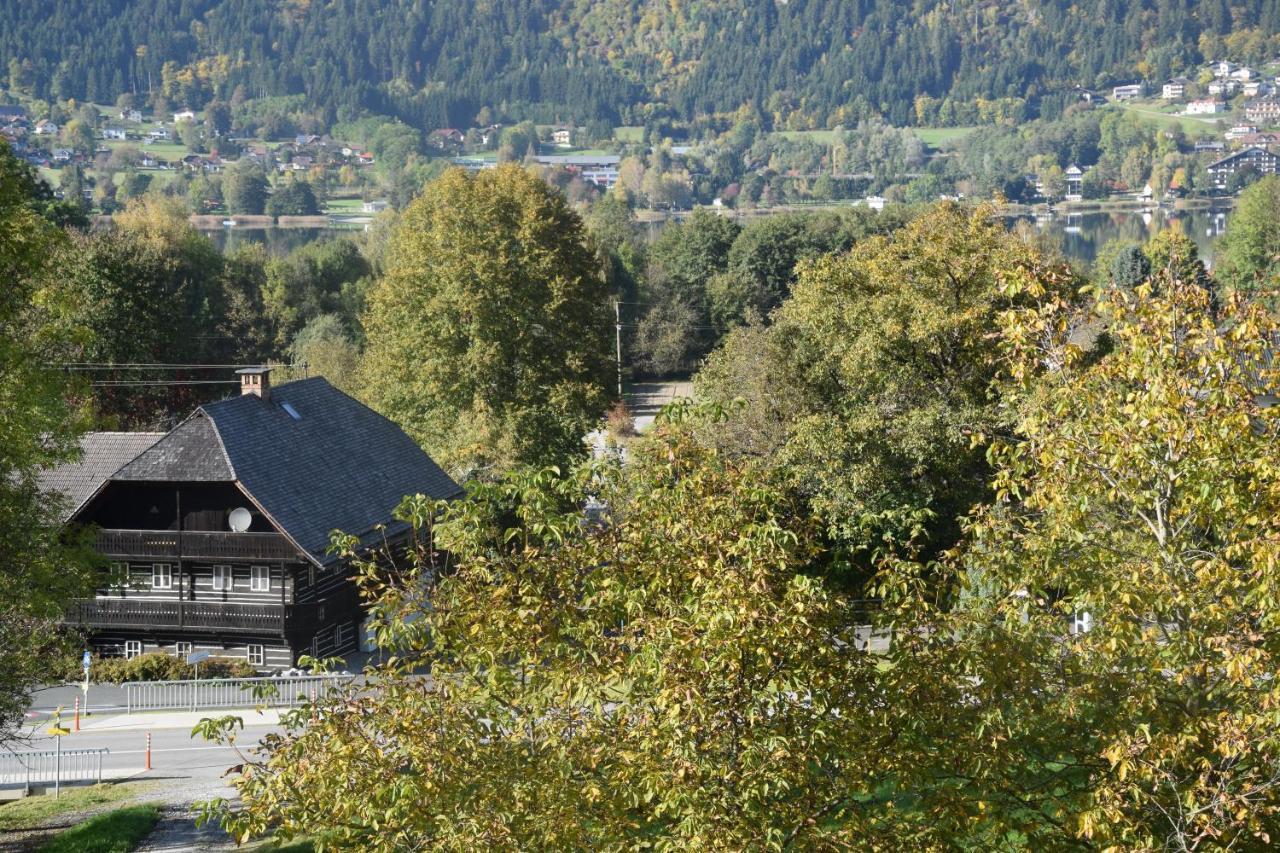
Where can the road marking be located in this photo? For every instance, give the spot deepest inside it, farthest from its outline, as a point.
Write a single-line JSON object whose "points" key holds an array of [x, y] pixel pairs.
{"points": [[166, 749]]}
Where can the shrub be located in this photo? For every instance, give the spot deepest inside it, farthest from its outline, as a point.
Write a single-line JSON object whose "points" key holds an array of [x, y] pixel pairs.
{"points": [[619, 423], [153, 666]]}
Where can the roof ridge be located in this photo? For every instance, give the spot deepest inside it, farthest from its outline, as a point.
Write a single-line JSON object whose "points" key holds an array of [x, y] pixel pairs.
{"points": [[222, 445]]}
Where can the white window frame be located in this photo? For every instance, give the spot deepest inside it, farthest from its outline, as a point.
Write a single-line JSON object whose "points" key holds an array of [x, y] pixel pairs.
{"points": [[182, 648], [1081, 622], [132, 649], [260, 579], [255, 654], [162, 576], [223, 579], [117, 575]]}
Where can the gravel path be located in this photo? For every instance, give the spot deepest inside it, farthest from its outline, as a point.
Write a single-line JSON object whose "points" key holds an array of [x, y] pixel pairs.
{"points": [[177, 830]]}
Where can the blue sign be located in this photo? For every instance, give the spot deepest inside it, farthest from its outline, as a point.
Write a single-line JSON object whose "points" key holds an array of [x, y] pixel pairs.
{"points": [[85, 661]]}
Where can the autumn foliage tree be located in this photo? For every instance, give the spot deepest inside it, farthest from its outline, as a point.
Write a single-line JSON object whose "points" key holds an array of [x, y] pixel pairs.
{"points": [[1117, 604], [489, 335]]}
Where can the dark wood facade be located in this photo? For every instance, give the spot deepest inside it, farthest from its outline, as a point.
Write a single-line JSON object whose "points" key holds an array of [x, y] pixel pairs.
{"points": [[293, 464], [193, 587]]}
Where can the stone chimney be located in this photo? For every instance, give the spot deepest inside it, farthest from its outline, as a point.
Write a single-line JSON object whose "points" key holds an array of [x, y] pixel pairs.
{"points": [[255, 381]]}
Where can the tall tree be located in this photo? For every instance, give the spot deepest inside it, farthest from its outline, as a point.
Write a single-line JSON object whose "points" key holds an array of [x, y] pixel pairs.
{"points": [[665, 678], [1117, 605], [244, 187], [38, 429], [882, 375], [1249, 253], [488, 335]]}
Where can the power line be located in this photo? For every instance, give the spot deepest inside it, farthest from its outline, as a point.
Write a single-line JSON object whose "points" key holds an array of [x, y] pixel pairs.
{"points": [[156, 383], [105, 365]]}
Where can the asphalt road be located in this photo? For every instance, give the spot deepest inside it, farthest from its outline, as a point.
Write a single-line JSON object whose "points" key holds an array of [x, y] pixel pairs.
{"points": [[174, 752], [105, 698]]}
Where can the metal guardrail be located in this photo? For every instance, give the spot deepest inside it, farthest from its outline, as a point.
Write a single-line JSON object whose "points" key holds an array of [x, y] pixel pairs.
{"points": [[204, 694], [50, 767]]}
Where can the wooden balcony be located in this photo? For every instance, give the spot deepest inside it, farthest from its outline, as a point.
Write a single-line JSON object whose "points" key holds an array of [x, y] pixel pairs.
{"points": [[195, 545], [217, 617]]}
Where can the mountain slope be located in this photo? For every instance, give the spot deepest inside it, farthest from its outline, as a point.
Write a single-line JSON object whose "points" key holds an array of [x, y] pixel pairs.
{"points": [[800, 62]]}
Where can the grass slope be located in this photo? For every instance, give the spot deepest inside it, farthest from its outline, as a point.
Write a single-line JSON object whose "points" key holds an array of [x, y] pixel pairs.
{"points": [[31, 812], [118, 831]]}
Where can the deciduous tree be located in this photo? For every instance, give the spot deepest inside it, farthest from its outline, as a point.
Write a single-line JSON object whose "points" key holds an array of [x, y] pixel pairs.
{"points": [[489, 335]]}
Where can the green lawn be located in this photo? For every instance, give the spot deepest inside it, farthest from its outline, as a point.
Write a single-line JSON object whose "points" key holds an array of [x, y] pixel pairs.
{"points": [[118, 831], [937, 136], [344, 205], [629, 133], [30, 812], [1189, 124]]}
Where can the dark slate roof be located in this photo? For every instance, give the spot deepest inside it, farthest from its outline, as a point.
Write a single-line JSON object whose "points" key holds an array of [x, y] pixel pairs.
{"points": [[192, 452], [338, 466], [102, 454]]}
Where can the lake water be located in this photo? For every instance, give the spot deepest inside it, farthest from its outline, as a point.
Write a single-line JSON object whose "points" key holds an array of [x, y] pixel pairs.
{"points": [[1078, 235]]}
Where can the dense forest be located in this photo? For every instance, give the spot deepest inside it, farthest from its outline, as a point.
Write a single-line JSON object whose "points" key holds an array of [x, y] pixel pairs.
{"points": [[799, 64]]}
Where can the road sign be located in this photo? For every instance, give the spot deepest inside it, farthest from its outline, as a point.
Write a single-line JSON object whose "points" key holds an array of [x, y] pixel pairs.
{"points": [[197, 657], [57, 731], [85, 660]]}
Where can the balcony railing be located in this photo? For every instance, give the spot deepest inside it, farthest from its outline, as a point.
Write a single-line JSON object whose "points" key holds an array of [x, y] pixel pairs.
{"points": [[142, 613], [195, 544]]}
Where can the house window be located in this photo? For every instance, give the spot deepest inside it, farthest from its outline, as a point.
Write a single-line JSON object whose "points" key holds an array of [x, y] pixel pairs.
{"points": [[320, 613], [118, 576], [162, 576], [181, 649], [260, 579], [256, 656], [311, 575], [132, 648], [221, 578]]}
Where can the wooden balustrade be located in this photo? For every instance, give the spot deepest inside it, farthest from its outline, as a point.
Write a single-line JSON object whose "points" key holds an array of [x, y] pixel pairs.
{"points": [[143, 613], [195, 544]]}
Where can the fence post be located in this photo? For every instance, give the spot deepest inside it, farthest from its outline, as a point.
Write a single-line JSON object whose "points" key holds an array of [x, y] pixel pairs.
{"points": [[128, 699], [57, 771], [77, 713], [99, 767], [148, 767]]}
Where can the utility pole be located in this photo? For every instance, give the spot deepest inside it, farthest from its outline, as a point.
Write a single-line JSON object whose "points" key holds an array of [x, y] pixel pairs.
{"points": [[617, 328]]}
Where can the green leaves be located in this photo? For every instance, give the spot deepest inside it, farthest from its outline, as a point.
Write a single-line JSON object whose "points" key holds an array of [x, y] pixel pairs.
{"points": [[488, 336]]}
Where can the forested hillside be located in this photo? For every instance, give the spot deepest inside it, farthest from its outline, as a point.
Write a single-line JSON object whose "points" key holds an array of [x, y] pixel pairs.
{"points": [[801, 63]]}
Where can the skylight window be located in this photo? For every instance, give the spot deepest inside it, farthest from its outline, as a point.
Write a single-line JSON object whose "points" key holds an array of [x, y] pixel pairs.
{"points": [[293, 413]]}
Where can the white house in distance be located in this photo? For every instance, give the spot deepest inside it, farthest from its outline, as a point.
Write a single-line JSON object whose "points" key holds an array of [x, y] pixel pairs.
{"points": [[1175, 89], [1243, 74], [184, 115], [374, 206], [1226, 87], [1128, 92], [1262, 112], [1075, 183], [1258, 159], [1206, 107], [113, 133], [1223, 68], [158, 133]]}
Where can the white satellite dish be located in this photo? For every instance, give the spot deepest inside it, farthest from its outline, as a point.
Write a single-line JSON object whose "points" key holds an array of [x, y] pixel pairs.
{"points": [[240, 519]]}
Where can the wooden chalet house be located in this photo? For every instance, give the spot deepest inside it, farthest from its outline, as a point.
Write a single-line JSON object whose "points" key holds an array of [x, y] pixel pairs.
{"points": [[217, 532]]}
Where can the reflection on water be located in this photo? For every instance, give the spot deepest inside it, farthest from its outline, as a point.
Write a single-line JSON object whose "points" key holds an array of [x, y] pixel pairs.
{"points": [[278, 241], [1080, 236]]}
